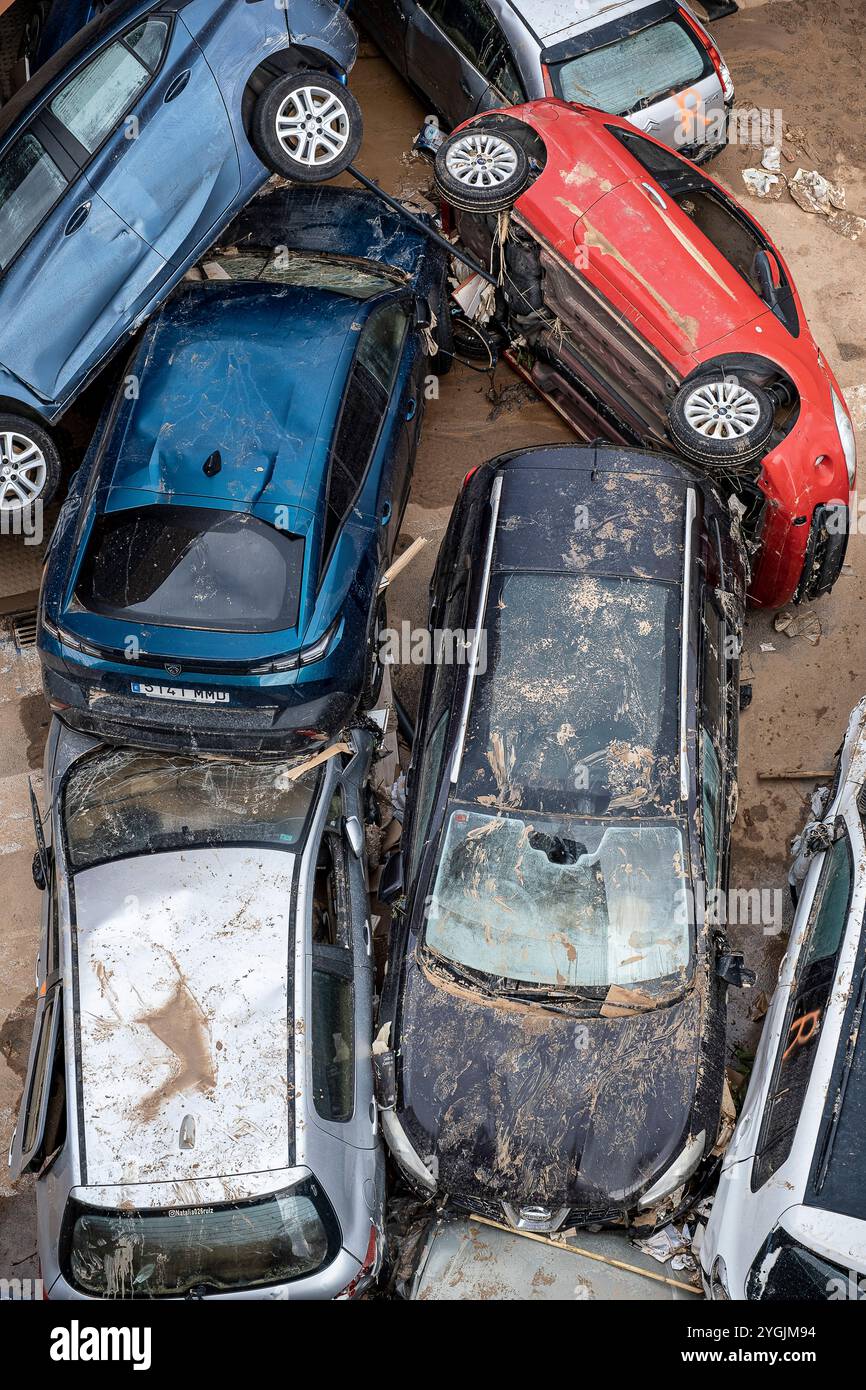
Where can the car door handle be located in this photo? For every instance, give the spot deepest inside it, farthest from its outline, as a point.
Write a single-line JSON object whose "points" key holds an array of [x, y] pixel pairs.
{"points": [[78, 219], [386, 514], [411, 409], [178, 85], [655, 195]]}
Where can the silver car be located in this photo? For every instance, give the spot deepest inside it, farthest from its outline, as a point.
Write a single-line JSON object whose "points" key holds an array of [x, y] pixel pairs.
{"points": [[198, 1105], [649, 60]]}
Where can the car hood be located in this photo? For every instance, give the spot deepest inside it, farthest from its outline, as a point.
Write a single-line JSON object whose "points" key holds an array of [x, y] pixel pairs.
{"points": [[522, 1104], [657, 265]]}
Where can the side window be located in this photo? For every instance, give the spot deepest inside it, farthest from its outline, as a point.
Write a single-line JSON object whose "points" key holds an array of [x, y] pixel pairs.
{"points": [[44, 1108], [801, 1030], [331, 916], [92, 104], [429, 779], [30, 185], [473, 30], [364, 407], [333, 1044], [661, 163]]}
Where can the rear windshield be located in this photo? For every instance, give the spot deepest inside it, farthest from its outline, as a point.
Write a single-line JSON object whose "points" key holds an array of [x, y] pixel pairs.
{"points": [[193, 567], [356, 279], [121, 802], [30, 185], [561, 903], [273, 1240], [635, 71], [577, 710]]}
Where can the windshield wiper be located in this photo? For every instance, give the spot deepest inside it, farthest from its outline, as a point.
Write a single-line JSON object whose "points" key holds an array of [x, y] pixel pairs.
{"points": [[460, 973]]}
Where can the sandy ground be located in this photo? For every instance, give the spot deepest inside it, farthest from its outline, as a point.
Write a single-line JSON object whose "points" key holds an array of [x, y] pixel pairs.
{"points": [[805, 59]]}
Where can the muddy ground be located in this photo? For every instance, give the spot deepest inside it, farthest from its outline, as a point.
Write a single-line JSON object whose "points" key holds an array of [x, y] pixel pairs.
{"points": [[802, 57]]}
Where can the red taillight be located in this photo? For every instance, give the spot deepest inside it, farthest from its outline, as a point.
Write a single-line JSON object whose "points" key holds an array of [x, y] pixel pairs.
{"points": [[470, 473], [367, 1268], [716, 58]]}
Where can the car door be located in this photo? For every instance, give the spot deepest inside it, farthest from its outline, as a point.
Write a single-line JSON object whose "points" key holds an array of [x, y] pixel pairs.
{"points": [[73, 275], [147, 116], [387, 22], [446, 41]]}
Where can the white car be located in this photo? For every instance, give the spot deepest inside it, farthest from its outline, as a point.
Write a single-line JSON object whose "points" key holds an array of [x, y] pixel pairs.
{"points": [[789, 1218]]}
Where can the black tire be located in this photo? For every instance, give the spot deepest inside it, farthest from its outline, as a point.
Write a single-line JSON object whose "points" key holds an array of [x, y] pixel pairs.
{"points": [[374, 671], [288, 97], [482, 152], [481, 343], [19, 436], [742, 413]]}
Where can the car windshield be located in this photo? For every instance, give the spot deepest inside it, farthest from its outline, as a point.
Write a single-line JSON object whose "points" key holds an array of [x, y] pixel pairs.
{"points": [[192, 567], [577, 710], [635, 71], [164, 1254], [30, 185], [561, 903], [120, 803], [282, 266]]}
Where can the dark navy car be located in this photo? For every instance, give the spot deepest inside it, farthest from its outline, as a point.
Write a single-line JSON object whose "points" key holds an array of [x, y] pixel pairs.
{"points": [[554, 1007], [122, 160], [214, 576]]}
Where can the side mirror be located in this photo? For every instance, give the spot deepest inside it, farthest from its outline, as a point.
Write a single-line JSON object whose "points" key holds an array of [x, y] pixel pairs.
{"points": [[39, 872], [353, 834], [423, 316], [391, 884], [730, 967], [769, 276]]}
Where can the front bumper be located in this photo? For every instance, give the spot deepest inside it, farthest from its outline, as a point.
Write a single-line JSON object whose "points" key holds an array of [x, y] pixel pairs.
{"points": [[825, 551]]}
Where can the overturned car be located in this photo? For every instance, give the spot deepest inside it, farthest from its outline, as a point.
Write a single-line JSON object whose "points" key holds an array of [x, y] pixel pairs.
{"points": [[648, 307], [552, 1025]]}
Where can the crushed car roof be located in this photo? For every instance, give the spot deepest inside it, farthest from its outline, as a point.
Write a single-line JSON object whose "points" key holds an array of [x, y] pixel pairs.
{"points": [[557, 18]]}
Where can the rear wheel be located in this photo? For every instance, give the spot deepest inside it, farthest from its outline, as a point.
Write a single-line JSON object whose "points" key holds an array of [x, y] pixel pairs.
{"points": [[29, 464], [307, 127], [374, 670], [720, 418], [481, 169]]}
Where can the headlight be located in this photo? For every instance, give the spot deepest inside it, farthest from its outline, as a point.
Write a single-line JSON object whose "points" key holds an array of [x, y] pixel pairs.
{"points": [[680, 1170], [846, 437], [302, 658], [719, 1291]]}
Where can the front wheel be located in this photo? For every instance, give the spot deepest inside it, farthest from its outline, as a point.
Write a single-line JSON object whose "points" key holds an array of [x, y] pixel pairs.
{"points": [[307, 127], [374, 672], [481, 169], [29, 464], [720, 418]]}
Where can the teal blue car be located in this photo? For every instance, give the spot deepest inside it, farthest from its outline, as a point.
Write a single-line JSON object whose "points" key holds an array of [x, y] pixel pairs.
{"points": [[214, 578]]}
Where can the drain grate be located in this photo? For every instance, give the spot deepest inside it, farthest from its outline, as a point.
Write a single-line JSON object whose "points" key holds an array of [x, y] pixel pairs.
{"points": [[22, 627]]}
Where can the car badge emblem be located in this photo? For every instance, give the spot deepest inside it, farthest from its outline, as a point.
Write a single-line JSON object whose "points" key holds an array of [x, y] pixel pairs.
{"points": [[172, 668]]}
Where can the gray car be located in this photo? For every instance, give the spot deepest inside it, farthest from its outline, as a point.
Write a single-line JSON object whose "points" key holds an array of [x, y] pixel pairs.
{"points": [[198, 1106], [649, 60]]}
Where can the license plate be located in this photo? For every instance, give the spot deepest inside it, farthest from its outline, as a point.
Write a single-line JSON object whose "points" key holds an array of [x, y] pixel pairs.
{"points": [[181, 692]]}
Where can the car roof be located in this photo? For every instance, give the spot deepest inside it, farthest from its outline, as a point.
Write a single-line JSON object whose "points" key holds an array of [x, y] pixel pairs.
{"points": [[557, 19], [593, 511], [253, 372], [184, 973]]}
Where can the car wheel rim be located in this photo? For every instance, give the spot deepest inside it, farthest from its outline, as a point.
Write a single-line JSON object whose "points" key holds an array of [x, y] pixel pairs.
{"points": [[23, 470], [481, 160], [722, 410], [313, 126]]}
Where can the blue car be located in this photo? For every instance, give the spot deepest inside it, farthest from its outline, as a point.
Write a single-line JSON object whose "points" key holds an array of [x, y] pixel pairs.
{"points": [[122, 160], [214, 577]]}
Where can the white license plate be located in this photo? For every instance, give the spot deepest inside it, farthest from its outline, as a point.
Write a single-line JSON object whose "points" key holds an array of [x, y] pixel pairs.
{"points": [[181, 692]]}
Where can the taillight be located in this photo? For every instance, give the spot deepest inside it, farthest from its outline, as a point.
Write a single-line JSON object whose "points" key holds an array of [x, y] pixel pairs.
{"points": [[470, 473], [721, 67], [367, 1268]]}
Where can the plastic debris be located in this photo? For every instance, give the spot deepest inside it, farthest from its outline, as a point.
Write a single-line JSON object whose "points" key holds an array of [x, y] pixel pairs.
{"points": [[813, 193], [762, 184], [806, 625], [772, 160]]}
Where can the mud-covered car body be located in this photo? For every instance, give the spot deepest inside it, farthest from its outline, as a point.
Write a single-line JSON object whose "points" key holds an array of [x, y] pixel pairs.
{"points": [[559, 1061], [650, 60], [213, 577], [630, 274], [121, 161], [198, 1100], [789, 1217]]}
